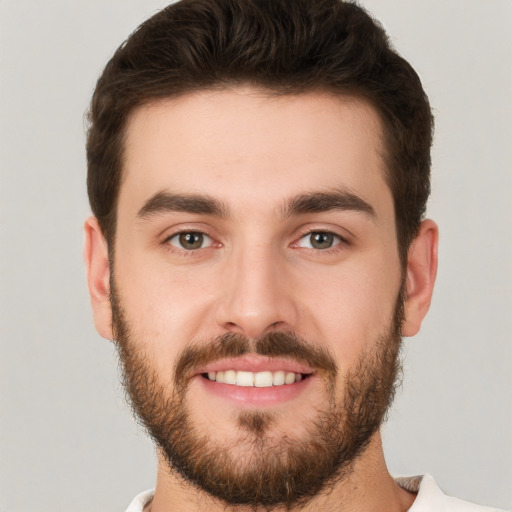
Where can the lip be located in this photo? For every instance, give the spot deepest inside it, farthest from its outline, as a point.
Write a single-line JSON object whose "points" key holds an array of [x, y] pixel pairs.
{"points": [[255, 363], [253, 396]]}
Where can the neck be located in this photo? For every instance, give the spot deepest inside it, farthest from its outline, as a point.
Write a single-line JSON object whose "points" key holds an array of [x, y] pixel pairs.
{"points": [[368, 486]]}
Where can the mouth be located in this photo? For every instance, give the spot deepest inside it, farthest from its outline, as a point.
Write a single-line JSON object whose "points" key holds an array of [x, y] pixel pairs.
{"points": [[255, 380], [263, 379]]}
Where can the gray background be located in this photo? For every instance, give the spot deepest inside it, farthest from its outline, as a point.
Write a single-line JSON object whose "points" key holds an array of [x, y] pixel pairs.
{"points": [[67, 440]]}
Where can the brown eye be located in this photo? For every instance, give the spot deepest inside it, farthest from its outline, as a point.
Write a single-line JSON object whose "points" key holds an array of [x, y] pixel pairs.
{"points": [[319, 240], [190, 240]]}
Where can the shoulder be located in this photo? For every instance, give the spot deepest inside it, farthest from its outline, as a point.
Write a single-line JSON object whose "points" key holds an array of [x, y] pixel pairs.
{"points": [[140, 501], [430, 497]]}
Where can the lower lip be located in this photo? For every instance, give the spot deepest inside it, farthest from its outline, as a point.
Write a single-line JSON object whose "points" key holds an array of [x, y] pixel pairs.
{"points": [[253, 396]]}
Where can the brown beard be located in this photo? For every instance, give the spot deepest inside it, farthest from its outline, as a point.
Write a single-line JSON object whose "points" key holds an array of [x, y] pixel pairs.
{"points": [[284, 473]]}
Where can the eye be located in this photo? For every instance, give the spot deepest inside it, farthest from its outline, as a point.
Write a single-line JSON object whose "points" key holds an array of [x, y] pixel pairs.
{"points": [[320, 240], [190, 240]]}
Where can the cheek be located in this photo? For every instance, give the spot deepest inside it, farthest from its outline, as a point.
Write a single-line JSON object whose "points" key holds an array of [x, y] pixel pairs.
{"points": [[354, 308], [166, 308]]}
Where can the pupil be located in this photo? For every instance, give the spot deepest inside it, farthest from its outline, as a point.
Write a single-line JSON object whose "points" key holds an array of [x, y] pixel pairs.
{"points": [[321, 240], [191, 240]]}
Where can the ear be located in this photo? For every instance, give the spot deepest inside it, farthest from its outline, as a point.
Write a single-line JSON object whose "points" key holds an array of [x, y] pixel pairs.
{"points": [[98, 276], [421, 275]]}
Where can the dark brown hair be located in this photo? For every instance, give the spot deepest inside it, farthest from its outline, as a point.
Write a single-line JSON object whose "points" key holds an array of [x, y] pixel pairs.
{"points": [[284, 46]]}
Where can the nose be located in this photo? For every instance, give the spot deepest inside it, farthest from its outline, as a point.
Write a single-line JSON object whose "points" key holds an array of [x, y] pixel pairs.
{"points": [[256, 295]]}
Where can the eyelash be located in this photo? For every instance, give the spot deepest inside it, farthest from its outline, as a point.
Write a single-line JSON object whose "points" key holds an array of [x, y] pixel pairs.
{"points": [[188, 252], [341, 241]]}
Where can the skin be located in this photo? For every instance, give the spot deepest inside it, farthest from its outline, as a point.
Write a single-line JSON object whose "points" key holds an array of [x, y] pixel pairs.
{"points": [[255, 154]]}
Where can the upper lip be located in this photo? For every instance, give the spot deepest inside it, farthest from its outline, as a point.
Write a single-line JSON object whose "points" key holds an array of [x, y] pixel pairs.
{"points": [[255, 363]]}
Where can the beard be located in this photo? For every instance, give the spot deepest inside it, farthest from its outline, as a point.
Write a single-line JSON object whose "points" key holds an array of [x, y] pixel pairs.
{"points": [[273, 471]]}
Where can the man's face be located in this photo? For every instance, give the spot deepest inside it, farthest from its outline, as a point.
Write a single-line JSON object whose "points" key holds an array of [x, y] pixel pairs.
{"points": [[256, 244]]}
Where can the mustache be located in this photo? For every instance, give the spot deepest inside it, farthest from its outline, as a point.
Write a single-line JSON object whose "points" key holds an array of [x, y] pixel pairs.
{"points": [[274, 344]]}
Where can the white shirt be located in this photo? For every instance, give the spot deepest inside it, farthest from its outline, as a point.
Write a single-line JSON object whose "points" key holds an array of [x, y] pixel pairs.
{"points": [[429, 498]]}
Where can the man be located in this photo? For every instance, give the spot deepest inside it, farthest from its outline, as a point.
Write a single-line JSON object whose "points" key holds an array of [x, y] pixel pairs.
{"points": [[258, 174]]}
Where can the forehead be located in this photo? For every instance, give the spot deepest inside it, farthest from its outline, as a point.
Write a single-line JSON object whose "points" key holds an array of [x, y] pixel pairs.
{"points": [[242, 144]]}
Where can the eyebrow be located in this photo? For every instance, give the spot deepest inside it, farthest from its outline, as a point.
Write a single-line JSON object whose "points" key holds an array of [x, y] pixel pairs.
{"points": [[163, 202], [318, 202], [315, 202]]}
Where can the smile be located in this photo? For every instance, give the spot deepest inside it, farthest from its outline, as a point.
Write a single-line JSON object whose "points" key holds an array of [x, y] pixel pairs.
{"points": [[254, 380], [262, 379]]}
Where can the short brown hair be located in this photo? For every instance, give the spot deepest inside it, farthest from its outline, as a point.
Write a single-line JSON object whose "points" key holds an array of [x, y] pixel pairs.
{"points": [[284, 46]]}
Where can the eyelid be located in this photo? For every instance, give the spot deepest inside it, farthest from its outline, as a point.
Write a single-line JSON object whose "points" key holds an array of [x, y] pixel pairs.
{"points": [[331, 231], [337, 239], [208, 240], [212, 242]]}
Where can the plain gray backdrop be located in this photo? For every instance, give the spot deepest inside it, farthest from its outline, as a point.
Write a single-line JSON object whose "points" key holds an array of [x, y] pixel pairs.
{"points": [[67, 439]]}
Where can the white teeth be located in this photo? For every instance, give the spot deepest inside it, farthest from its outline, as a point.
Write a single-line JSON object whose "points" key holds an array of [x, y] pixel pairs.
{"points": [[263, 379], [230, 377], [278, 378], [289, 378], [245, 379], [259, 379]]}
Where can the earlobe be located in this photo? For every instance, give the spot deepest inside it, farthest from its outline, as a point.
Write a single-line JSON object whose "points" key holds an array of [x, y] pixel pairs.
{"points": [[421, 275], [98, 276]]}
